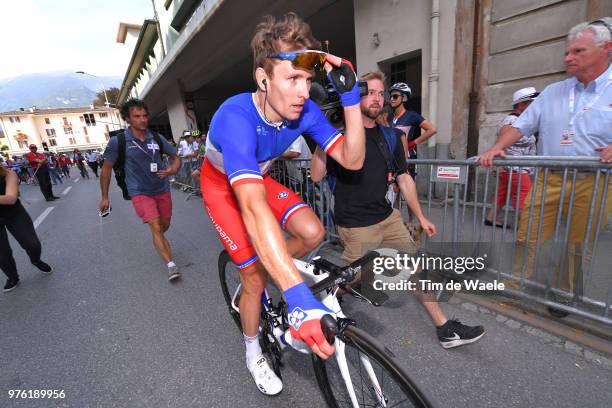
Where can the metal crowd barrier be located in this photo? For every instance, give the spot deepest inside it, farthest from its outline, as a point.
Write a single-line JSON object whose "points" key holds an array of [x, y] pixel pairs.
{"points": [[185, 180], [556, 250]]}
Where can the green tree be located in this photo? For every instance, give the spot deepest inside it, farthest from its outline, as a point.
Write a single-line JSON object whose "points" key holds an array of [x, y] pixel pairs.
{"points": [[111, 93]]}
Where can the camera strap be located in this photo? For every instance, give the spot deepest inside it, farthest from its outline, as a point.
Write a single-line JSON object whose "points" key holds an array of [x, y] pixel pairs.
{"points": [[385, 149]]}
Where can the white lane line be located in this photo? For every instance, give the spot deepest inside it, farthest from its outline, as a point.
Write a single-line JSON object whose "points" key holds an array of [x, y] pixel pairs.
{"points": [[76, 179], [66, 190], [42, 216]]}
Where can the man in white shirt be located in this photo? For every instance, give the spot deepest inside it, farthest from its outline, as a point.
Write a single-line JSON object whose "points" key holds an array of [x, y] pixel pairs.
{"points": [[92, 161]]}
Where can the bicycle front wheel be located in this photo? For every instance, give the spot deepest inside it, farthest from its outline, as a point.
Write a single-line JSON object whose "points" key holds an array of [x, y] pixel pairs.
{"points": [[230, 285], [372, 375]]}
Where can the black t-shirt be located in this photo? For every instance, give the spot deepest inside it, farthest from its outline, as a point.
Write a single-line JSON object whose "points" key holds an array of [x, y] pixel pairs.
{"points": [[6, 210], [360, 195]]}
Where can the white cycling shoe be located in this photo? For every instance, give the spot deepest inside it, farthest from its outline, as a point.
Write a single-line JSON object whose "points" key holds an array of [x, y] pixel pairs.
{"points": [[264, 376]]}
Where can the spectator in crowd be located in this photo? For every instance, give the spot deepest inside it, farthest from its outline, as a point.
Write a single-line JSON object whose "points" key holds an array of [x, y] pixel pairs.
{"points": [[146, 176], [64, 163], [187, 154], [79, 160], [408, 121], [526, 146], [39, 163], [572, 118], [92, 161], [15, 219], [364, 217], [54, 171]]}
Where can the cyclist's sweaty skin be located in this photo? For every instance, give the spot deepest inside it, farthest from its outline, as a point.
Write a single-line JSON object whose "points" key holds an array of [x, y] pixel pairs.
{"points": [[283, 97]]}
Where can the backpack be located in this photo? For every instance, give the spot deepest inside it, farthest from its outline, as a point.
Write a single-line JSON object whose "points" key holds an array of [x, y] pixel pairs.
{"points": [[119, 166]]}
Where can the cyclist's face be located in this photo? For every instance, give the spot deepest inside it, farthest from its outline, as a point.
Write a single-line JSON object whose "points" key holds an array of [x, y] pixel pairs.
{"points": [[288, 88], [372, 103], [396, 99]]}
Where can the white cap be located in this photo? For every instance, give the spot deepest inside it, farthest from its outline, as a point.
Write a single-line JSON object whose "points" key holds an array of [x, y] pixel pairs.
{"points": [[524, 94]]}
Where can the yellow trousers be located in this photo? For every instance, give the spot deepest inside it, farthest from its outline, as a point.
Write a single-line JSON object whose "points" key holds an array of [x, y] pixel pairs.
{"points": [[585, 183]]}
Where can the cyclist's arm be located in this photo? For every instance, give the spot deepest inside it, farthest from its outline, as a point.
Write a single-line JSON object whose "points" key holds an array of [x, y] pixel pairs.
{"points": [[350, 152], [266, 235], [429, 129]]}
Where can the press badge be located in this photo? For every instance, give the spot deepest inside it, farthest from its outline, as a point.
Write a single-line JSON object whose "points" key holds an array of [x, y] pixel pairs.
{"points": [[567, 138], [153, 167], [153, 146]]}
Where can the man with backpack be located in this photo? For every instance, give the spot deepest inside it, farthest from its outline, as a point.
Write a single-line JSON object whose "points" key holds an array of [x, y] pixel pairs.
{"points": [[136, 157], [365, 218]]}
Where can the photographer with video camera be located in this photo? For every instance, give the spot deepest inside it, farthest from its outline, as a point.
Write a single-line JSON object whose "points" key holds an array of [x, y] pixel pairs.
{"points": [[247, 133], [364, 216]]}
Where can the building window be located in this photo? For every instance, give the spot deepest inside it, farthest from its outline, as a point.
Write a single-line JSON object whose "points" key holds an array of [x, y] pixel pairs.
{"points": [[67, 130], [52, 142], [103, 115], [85, 130], [50, 132], [89, 119], [397, 72], [23, 144], [11, 119], [87, 139], [71, 140], [17, 119], [47, 121]]}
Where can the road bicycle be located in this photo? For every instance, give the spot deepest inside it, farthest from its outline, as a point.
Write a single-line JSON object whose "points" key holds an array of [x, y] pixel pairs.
{"points": [[362, 372]]}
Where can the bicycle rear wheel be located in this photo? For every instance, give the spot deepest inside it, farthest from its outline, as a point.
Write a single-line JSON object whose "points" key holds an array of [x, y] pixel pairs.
{"points": [[377, 378]]}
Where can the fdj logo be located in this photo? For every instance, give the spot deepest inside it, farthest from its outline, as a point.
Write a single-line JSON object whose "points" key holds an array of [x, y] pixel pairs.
{"points": [[297, 317], [282, 194]]}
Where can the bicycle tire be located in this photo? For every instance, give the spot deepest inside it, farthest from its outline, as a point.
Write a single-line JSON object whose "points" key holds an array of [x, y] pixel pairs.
{"points": [[358, 340], [224, 260]]}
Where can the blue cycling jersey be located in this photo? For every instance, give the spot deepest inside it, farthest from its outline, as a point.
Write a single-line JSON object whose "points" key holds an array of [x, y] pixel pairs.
{"points": [[242, 144]]}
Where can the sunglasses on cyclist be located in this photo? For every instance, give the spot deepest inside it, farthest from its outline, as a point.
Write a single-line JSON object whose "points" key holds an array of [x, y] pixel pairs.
{"points": [[307, 59], [395, 96]]}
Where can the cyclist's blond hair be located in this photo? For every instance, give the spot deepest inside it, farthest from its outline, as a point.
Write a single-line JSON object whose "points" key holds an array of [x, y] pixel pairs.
{"points": [[272, 35]]}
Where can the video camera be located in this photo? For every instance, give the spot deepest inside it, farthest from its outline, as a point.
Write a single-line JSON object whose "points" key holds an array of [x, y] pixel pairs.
{"points": [[323, 94]]}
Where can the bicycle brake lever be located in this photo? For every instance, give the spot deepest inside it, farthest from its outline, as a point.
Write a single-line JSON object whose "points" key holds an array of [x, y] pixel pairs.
{"points": [[329, 328]]}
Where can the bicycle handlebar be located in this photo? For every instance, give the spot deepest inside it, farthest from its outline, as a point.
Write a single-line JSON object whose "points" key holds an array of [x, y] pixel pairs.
{"points": [[329, 327], [339, 275]]}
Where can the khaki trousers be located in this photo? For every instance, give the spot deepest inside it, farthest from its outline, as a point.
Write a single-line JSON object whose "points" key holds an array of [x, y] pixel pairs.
{"points": [[389, 233], [570, 278]]}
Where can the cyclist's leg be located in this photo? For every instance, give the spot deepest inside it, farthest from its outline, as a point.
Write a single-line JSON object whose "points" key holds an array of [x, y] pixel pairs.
{"points": [[296, 217]]}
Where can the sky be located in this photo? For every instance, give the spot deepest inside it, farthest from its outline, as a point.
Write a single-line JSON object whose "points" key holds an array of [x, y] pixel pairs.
{"points": [[52, 35]]}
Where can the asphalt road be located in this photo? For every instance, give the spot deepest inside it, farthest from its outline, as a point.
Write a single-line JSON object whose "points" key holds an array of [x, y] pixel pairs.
{"points": [[108, 329]]}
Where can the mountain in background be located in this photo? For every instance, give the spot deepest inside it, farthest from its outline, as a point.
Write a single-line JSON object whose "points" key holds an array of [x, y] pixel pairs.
{"points": [[63, 89]]}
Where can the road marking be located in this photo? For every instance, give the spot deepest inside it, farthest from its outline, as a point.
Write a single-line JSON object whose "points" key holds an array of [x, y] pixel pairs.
{"points": [[76, 179], [66, 190], [42, 216]]}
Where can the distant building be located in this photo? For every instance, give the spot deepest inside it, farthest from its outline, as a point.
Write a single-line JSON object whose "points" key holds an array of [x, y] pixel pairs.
{"points": [[62, 129], [463, 59]]}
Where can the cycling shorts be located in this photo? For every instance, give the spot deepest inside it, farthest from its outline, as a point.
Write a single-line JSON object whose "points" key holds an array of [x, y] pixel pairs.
{"points": [[224, 211]]}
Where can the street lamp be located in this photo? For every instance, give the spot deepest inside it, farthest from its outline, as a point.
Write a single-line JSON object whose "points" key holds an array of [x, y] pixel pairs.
{"points": [[103, 87], [103, 90]]}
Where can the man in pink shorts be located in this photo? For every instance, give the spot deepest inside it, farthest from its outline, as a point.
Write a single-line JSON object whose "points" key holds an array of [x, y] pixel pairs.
{"points": [[146, 176]]}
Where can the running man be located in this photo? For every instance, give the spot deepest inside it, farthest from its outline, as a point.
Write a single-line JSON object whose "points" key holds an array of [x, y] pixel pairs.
{"points": [[246, 206]]}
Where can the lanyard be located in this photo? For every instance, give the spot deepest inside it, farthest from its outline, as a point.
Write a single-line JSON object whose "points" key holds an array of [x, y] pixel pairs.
{"points": [[572, 101], [143, 150]]}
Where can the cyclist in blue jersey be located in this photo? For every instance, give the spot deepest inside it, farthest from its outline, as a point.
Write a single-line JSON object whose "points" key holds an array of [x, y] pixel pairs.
{"points": [[246, 206]]}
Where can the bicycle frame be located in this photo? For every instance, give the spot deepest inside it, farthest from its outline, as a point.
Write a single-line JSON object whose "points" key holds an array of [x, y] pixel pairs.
{"points": [[330, 300]]}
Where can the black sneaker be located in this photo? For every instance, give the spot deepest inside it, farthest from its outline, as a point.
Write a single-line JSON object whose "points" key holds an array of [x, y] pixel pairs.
{"points": [[43, 266], [453, 334], [11, 284]]}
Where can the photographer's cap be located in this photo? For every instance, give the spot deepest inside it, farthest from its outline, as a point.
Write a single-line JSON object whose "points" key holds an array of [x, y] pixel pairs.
{"points": [[524, 95]]}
